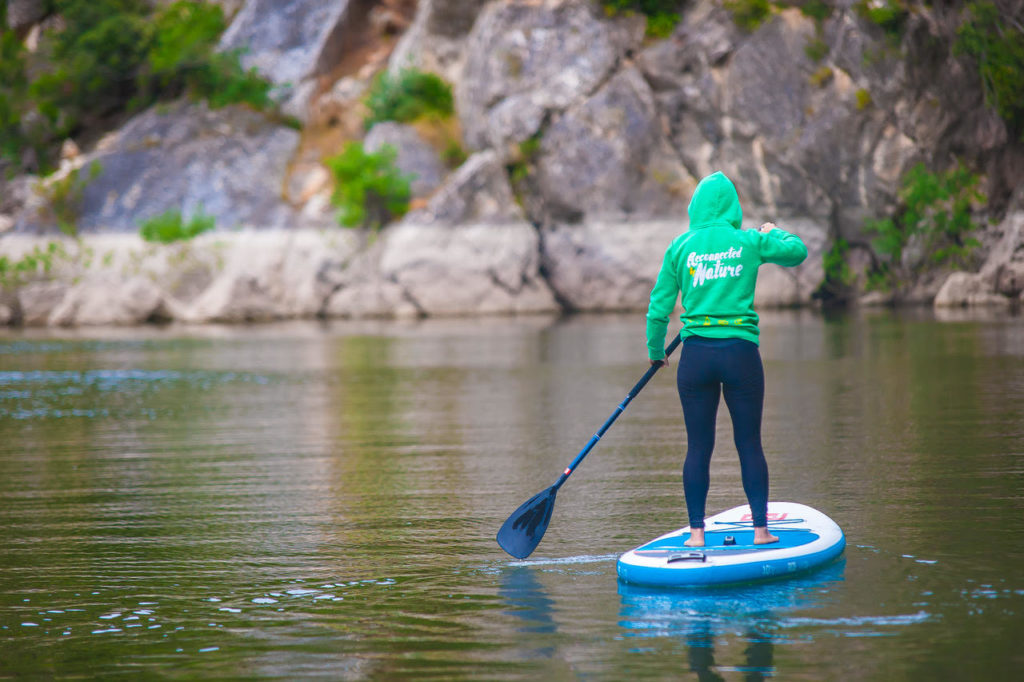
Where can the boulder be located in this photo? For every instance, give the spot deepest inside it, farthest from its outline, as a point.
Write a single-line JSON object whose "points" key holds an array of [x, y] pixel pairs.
{"points": [[478, 192], [606, 266], [290, 42], [1000, 280], [467, 269], [230, 163], [607, 157], [23, 13], [524, 59], [109, 301], [436, 40], [415, 157]]}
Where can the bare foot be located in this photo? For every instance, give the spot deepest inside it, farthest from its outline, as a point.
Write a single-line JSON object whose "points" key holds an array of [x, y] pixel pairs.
{"points": [[697, 538], [763, 537]]}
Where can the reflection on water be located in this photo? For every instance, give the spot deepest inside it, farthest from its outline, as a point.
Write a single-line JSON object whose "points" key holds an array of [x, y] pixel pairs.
{"points": [[302, 500], [749, 613]]}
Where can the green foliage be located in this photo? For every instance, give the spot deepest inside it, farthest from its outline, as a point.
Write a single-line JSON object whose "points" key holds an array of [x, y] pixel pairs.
{"points": [[816, 50], [13, 87], [407, 96], [749, 14], [36, 263], [822, 77], [816, 9], [997, 45], [839, 278], [453, 155], [110, 56], [170, 226], [519, 168], [890, 15], [369, 189], [864, 99], [63, 197], [662, 15], [936, 212]]}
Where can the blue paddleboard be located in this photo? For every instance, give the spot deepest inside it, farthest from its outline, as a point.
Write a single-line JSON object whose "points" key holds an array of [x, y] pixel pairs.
{"points": [[807, 538]]}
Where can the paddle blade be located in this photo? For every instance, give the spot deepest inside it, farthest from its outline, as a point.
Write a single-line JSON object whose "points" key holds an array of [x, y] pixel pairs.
{"points": [[523, 530]]}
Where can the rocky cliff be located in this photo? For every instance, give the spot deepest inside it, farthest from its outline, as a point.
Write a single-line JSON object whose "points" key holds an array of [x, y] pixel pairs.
{"points": [[583, 139]]}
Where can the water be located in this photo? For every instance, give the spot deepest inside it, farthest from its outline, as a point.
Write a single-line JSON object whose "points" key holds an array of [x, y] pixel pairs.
{"points": [[319, 501]]}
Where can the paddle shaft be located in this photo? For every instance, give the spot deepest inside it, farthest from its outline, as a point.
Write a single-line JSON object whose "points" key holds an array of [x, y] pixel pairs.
{"points": [[615, 415]]}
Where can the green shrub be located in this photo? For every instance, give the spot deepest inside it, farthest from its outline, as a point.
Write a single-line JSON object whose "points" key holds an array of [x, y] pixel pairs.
{"points": [[36, 263], [170, 226], [822, 76], [749, 14], [816, 50], [662, 15], [997, 45], [407, 96], [936, 209], [816, 9], [890, 15], [369, 190], [111, 56], [837, 283], [864, 99]]}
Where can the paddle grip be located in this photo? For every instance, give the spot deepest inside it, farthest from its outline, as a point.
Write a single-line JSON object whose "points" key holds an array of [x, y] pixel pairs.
{"points": [[651, 371]]}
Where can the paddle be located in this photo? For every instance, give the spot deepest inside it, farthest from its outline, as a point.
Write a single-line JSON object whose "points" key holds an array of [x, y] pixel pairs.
{"points": [[523, 530]]}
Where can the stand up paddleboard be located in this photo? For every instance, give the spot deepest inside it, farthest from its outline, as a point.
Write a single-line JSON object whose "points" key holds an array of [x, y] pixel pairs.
{"points": [[807, 538]]}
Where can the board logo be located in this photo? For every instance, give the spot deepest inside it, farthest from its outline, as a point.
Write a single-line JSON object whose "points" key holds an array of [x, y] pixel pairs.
{"points": [[776, 516]]}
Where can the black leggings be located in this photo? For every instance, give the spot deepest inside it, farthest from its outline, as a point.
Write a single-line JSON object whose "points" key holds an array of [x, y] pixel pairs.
{"points": [[708, 367]]}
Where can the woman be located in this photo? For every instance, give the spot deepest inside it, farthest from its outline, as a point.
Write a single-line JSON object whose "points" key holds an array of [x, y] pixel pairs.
{"points": [[714, 266]]}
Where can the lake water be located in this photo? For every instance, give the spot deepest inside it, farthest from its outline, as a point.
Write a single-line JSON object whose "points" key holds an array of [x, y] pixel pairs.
{"points": [[309, 501]]}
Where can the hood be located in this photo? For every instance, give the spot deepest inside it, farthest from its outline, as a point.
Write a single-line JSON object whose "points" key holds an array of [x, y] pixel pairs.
{"points": [[715, 202]]}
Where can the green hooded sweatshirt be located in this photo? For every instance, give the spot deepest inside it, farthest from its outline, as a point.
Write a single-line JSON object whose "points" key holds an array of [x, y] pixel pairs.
{"points": [[714, 266]]}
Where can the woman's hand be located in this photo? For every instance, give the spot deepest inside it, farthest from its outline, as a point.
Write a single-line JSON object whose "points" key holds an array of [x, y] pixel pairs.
{"points": [[660, 363], [767, 227]]}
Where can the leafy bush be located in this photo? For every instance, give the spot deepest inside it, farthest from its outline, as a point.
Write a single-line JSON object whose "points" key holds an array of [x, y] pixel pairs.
{"points": [[816, 50], [36, 263], [749, 14], [170, 226], [662, 15], [407, 96], [890, 15], [936, 212], [111, 56], [839, 278], [369, 189], [864, 99], [815, 9], [822, 76], [997, 45]]}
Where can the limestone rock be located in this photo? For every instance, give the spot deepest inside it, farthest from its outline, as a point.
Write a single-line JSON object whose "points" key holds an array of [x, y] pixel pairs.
{"points": [[415, 157], [38, 300], [436, 40], [607, 157], [467, 269], [524, 59], [1001, 278], [108, 301], [230, 163], [478, 192], [292, 41], [606, 266], [23, 13]]}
